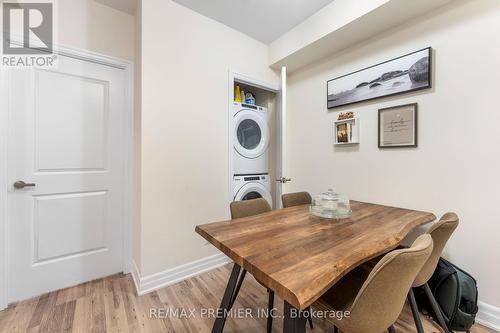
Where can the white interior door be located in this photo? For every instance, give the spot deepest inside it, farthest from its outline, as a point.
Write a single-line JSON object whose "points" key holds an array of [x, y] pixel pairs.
{"points": [[66, 145], [281, 172]]}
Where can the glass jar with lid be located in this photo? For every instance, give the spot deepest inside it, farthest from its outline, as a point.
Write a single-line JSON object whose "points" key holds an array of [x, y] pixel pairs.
{"points": [[331, 205]]}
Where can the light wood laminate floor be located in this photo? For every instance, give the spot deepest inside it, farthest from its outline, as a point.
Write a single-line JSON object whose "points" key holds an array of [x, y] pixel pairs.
{"points": [[111, 305]]}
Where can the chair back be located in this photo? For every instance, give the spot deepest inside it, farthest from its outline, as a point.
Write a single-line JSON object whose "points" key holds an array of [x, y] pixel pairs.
{"points": [[440, 233], [296, 199], [382, 296], [246, 208]]}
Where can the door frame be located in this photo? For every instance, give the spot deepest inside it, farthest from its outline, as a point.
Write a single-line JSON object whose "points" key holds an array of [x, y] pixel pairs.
{"points": [[281, 132], [128, 143], [238, 77], [3, 190]]}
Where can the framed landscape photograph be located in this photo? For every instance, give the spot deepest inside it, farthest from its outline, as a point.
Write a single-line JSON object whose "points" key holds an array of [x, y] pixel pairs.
{"points": [[407, 73], [397, 126]]}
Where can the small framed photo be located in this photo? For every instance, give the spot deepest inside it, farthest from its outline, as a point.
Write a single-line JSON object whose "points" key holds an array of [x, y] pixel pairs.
{"points": [[397, 126], [342, 136], [346, 131]]}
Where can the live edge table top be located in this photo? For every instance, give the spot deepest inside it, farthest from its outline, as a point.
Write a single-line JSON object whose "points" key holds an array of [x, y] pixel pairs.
{"points": [[300, 256]]}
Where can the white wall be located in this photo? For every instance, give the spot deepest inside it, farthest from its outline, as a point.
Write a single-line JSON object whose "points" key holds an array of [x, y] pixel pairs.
{"points": [[340, 25], [330, 18], [186, 60], [91, 26], [456, 165], [95, 27]]}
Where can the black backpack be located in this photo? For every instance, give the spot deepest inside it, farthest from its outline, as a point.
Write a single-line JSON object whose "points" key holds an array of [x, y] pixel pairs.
{"points": [[456, 293]]}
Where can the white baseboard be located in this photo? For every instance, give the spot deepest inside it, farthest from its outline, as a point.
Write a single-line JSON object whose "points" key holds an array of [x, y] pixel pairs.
{"points": [[148, 283], [136, 275], [488, 316]]}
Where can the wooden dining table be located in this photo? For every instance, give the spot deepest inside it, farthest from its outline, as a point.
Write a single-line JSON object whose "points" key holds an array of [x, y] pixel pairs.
{"points": [[300, 256]]}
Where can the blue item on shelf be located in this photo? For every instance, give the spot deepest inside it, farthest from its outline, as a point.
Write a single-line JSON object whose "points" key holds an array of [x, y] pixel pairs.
{"points": [[250, 98]]}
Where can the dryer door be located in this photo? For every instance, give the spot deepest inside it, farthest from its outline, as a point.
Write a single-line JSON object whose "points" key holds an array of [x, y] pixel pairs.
{"points": [[253, 190], [251, 134]]}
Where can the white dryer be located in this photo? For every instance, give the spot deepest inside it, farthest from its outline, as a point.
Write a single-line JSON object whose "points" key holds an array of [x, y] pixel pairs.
{"points": [[252, 187], [250, 138]]}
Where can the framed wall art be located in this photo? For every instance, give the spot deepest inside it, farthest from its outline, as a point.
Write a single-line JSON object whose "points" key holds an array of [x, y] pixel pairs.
{"points": [[397, 126], [407, 73]]}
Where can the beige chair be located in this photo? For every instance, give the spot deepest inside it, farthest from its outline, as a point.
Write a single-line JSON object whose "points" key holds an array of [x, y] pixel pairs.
{"points": [[247, 208], [296, 199], [440, 233], [375, 298]]}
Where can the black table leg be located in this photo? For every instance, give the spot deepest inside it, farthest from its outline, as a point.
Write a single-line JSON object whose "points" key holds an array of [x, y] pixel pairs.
{"points": [[238, 287], [294, 321], [270, 306], [227, 299]]}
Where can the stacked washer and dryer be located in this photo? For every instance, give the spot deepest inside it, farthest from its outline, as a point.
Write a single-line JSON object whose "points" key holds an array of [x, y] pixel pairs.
{"points": [[250, 153]]}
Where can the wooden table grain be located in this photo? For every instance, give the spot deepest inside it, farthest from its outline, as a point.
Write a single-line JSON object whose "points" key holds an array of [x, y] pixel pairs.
{"points": [[301, 256]]}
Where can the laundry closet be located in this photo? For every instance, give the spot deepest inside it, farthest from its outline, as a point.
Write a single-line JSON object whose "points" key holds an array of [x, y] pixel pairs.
{"points": [[254, 140]]}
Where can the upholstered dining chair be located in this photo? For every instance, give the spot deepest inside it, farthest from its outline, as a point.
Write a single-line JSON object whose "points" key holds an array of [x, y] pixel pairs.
{"points": [[295, 199], [375, 298], [440, 233], [247, 208]]}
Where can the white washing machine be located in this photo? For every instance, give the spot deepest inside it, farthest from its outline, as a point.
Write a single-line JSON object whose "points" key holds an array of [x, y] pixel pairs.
{"points": [[252, 187], [250, 139]]}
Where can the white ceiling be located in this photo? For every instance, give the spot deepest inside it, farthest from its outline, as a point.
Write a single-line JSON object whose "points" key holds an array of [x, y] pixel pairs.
{"points": [[127, 6], [264, 20]]}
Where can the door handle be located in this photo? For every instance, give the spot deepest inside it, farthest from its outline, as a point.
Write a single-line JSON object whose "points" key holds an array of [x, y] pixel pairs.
{"points": [[284, 180], [21, 184]]}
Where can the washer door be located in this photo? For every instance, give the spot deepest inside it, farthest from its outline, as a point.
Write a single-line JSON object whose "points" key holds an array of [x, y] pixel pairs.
{"points": [[253, 190], [251, 134]]}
